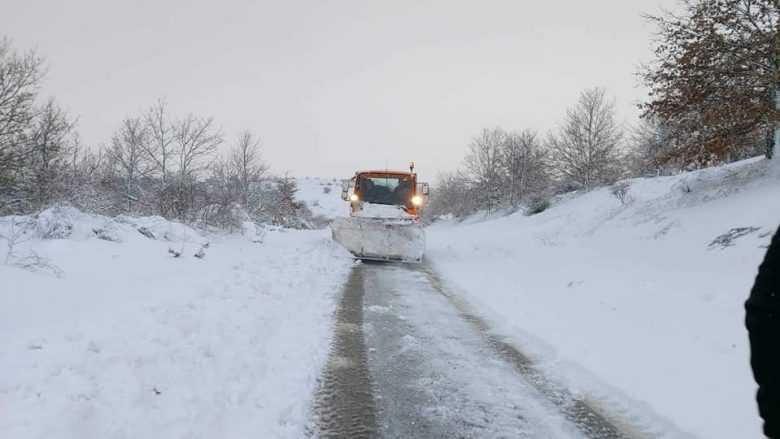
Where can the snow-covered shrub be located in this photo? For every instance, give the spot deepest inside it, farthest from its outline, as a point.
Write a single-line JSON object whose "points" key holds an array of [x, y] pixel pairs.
{"points": [[566, 186], [107, 232], [156, 227], [35, 262], [283, 209], [538, 205], [253, 232], [15, 232], [201, 253], [67, 222], [620, 191], [55, 222]]}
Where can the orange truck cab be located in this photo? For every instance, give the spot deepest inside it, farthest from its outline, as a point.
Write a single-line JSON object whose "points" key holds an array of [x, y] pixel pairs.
{"points": [[393, 188]]}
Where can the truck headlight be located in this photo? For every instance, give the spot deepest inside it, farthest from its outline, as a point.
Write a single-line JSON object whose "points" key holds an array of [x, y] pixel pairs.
{"points": [[417, 200], [353, 197]]}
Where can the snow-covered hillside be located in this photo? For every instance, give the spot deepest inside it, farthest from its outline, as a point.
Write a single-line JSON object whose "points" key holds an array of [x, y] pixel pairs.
{"points": [[107, 334], [639, 305], [322, 195]]}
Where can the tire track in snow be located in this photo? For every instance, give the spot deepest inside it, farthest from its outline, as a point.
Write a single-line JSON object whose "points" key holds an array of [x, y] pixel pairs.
{"points": [[344, 405], [435, 369], [588, 419], [433, 376]]}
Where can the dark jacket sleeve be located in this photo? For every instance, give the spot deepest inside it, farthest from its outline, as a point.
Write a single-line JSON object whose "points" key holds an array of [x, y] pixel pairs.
{"points": [[763, 324]]}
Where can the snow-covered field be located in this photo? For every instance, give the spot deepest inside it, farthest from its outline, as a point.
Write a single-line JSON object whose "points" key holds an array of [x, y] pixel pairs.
{"points": [[113, 336], [639, 305], [322, 195]]}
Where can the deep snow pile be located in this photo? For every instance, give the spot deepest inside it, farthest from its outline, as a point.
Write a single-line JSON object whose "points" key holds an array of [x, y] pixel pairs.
{"points": [[369, 210], [645, 295], [107, 333]]}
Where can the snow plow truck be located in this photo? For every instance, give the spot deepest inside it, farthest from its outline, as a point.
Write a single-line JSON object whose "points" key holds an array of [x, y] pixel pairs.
{"points": [[384, 221]]}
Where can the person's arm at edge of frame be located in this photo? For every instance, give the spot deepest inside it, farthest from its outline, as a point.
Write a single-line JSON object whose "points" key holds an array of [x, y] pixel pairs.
{"points": [[763, 324]]}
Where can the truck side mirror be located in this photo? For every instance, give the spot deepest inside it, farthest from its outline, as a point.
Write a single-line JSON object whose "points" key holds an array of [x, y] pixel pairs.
{"points": [[346, 185], [344, 189], [423, 189]]}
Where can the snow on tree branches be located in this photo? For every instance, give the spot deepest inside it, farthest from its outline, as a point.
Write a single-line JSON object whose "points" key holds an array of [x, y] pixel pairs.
{"points": [[714, 79]]}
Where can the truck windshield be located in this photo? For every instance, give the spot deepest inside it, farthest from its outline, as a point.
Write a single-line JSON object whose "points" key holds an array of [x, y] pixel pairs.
{"points": [[386, 190]]}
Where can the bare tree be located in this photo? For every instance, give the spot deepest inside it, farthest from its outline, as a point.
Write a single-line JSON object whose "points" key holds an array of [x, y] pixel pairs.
{"points": [[523, 163], [127, 160], [86, 181], [222, 198], [238, 187], [20, 75], [649, 149], [483, 164], [195, 139], [248, 167], [500, 169], [182, 192], [585, 147], [454, 194], [50, 149], [159, 147]]}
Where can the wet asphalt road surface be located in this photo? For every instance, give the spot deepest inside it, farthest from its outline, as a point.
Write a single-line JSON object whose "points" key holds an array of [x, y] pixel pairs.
{"points": [[410, 360]]}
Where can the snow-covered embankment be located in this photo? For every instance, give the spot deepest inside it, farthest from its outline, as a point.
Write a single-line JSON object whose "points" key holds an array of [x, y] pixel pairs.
{"points": [[119, 338], [639, 304]]}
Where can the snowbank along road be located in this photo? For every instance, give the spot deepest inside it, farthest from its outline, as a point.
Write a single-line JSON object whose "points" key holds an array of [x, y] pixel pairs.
{"points": [[411, 360], [132, 342]]}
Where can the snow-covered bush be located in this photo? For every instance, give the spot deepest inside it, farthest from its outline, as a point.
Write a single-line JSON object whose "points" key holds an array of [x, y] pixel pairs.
{"points": [[538, 205], [252, 231], [14, 232], [620, 191], [107, 232], [159, 228], [55, 222], [566, 186]]}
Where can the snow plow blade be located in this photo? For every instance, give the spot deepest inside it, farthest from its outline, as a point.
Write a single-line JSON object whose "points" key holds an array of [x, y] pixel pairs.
{"points": [[380, 239]]}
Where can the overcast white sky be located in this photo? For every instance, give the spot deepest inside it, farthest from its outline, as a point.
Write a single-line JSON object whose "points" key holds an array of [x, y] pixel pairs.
{"points": [[332, 86]]}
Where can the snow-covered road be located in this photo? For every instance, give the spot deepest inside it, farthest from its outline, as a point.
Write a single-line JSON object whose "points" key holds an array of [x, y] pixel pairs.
{"points": [[410, 360]]}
